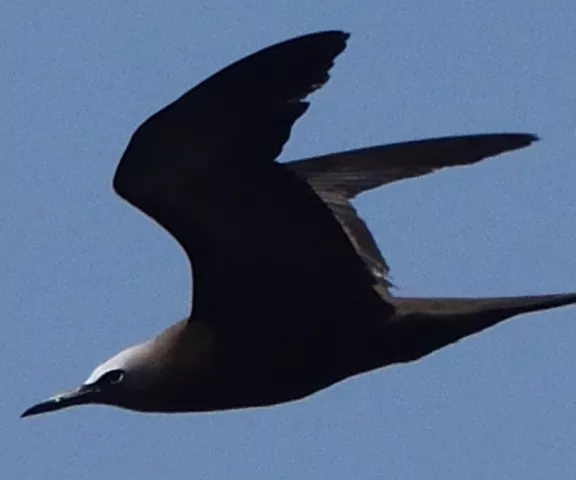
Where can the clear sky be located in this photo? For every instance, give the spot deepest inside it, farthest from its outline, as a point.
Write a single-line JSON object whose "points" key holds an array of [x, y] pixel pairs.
{"points": [[83, 274]]}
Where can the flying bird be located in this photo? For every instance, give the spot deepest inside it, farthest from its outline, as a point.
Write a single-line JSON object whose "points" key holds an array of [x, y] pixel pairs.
{"points": [[291, 294]]}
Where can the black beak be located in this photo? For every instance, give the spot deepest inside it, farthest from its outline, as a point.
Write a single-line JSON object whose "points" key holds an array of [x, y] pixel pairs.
{"points": [[82, 395]]}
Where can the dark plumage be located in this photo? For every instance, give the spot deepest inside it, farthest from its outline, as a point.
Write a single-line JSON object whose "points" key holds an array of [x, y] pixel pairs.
{"points": [[290, 291]]}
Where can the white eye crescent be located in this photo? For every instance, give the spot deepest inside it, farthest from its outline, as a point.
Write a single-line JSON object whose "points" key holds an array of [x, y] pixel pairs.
{"points": [[113, 377]]}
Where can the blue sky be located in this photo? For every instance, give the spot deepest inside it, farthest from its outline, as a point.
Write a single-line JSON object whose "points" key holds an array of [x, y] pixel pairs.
{"points": [[84, 274]]}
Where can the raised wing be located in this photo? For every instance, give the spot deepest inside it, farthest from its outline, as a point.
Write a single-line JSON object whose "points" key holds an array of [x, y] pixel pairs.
{"points": [[261, 242], [339, 177]]}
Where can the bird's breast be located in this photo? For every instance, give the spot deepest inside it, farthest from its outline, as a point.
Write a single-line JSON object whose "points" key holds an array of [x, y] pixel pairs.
{"points": [[220, 370]]}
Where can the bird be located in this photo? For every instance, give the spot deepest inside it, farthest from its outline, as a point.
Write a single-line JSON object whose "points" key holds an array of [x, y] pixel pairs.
{"points": [[290, 292]]}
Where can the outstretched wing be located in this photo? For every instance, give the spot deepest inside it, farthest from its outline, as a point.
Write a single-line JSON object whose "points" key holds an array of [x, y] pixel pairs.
{"points": [[261, 242], [339, 177]]}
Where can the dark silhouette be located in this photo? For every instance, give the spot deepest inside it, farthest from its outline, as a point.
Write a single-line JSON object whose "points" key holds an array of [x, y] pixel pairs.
{"points": [[290, 291]]}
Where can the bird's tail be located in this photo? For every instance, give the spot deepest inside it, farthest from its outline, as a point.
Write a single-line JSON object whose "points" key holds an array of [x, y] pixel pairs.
{"points": [[423, 325]]}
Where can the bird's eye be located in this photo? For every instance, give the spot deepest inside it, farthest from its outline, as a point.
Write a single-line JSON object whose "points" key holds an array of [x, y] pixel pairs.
{"points": [[113, 377]]}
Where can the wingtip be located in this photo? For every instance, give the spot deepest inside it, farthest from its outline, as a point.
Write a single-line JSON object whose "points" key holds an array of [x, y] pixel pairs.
{"points": [[343, 33], [517, 139], [530, 137], [523, 137], [339, 35]]}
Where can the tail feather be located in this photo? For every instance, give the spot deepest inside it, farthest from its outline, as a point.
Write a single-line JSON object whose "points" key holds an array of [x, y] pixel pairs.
{"points": [[424, 325], [471, 306]]}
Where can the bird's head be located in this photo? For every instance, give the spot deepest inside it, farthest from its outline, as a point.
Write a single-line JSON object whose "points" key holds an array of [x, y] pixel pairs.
{"points": [[113, 382]]}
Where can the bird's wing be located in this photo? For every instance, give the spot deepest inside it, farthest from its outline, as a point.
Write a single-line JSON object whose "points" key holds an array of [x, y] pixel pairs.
{"points": [[262, 244], [338, 177]]}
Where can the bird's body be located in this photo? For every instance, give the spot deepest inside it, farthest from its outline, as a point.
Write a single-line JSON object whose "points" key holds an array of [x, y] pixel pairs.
{"points": [[245, 371], [290, 291]]}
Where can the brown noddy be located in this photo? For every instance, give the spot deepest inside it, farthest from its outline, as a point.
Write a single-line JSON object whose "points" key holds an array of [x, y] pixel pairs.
{"points": [[309, 301]]}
